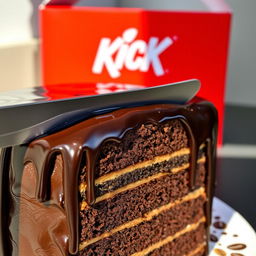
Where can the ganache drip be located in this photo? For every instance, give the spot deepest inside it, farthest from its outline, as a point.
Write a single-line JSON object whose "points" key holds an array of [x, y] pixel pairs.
{"points": [[199, 121]]}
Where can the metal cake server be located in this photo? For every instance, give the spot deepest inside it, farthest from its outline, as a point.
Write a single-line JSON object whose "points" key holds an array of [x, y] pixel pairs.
{"points": [[22, 122]]}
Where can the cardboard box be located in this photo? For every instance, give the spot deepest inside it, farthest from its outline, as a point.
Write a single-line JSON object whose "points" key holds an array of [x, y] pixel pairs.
{"points": [[108, 48]]}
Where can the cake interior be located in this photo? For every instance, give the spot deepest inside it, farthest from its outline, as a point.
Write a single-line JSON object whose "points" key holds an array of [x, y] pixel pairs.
{"points": [[144, 202], [131, 182]]}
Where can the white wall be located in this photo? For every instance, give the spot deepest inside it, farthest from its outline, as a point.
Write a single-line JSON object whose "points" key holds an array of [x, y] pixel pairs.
{"points": [[242, 62], [19, 63], [98, 2], [15, 21], [164, 4]]}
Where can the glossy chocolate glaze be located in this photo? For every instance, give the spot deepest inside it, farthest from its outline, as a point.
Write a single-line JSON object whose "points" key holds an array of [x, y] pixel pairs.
{"points": [[86, 138], [237, 247], [220, 225], [5, 161], [213, 238]]}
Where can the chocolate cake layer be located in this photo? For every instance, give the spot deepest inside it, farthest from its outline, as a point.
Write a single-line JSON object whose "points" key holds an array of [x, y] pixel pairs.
{"points": [[144, 238], [135, 202], [162, 164], [141, 144], [188, 244], [190, 210]]}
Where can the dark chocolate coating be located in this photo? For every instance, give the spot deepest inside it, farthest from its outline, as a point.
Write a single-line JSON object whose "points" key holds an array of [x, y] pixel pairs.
{"points": [[199, 120]]}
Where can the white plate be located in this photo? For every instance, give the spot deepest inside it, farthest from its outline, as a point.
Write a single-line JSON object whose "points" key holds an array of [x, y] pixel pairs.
{"points": [[237, 231]]}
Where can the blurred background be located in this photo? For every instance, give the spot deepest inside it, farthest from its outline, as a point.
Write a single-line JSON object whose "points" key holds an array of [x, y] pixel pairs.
{"points": [[19, 33], [19, 64]]}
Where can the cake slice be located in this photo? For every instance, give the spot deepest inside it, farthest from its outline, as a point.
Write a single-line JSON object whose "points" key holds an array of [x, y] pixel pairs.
{"points": [[136, 181]]}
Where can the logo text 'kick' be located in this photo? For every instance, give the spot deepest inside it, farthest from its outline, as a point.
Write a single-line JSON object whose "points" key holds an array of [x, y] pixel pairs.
{"points": [[130, 53]]}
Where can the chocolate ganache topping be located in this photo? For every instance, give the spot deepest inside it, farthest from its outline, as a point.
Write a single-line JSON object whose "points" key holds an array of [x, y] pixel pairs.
{"points": [[86, 138]]}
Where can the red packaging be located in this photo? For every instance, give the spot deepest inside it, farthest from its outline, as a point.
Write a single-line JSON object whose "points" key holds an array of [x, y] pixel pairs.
{"points": [[115, 47]]}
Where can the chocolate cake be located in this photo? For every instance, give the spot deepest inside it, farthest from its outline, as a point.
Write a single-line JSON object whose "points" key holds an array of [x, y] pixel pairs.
{"points": [[136, 181]]}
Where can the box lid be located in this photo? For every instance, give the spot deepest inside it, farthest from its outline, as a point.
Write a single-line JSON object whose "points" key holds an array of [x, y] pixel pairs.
{"points": [[211, 5]]}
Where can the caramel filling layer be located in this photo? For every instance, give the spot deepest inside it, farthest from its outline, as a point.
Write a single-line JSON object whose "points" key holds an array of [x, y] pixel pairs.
{"points": [[169, 239], [140, 182], [147, 217], [200, 248]]}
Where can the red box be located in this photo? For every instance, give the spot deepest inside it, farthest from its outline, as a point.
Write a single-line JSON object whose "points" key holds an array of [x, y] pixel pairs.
{"points": [[113, 47]]}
